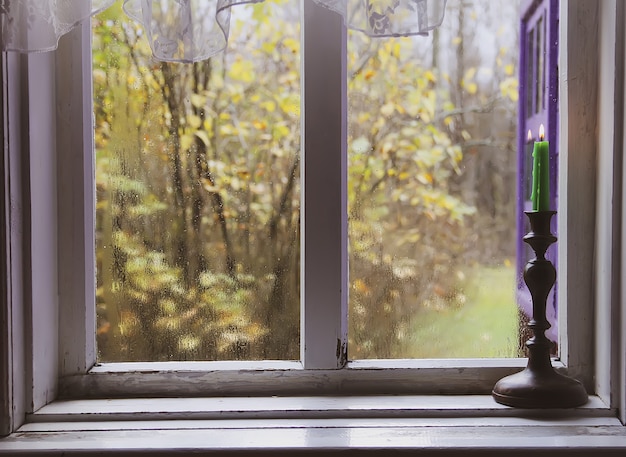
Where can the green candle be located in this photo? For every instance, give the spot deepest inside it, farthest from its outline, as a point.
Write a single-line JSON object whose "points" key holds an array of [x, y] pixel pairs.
{"points": [[542, 155], [540, 195], [534, 194]]}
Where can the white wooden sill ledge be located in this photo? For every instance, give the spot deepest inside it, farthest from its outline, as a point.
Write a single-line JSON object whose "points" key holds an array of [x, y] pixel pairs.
{"points": [[356, 425]]}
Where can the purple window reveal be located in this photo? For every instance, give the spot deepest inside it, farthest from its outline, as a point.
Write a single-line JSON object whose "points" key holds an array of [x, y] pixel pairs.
{"points": [[538, 104]]}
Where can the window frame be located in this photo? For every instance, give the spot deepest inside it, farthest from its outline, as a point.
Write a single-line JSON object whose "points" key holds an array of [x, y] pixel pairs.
{"points": [[72, 373], [324, 273], [531, 12]]}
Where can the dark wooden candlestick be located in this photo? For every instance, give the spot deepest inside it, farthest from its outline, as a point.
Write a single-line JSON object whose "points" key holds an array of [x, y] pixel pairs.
{"points": [[539, 385]]}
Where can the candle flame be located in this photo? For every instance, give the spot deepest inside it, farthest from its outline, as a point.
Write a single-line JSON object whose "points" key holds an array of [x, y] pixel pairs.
{"points": [[542, 133], [530, 136]]}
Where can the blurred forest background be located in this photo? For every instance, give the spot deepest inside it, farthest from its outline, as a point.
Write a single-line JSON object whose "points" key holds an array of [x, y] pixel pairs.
{"points": [[197, 175]]}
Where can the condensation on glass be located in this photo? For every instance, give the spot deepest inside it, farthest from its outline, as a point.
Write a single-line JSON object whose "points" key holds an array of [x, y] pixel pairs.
{"points": [[197, 175], [432, 194]]}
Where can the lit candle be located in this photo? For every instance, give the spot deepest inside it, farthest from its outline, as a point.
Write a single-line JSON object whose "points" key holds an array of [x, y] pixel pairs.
{"points": [[540, 195]]}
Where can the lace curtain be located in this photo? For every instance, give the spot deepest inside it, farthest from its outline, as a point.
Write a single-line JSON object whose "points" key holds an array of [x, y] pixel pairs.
{"points": [[194, 30]]}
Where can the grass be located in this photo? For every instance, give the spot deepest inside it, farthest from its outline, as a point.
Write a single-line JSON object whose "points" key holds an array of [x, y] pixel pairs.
{"points": [[486, 325]]}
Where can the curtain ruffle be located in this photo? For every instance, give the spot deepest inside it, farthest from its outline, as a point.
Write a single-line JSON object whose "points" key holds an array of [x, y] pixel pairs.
{"points": [[184, 30], [37, 25], [386, 18], [194, 30]]}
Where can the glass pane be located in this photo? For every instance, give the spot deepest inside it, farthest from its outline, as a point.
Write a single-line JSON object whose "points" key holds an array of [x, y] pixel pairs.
{"points": [[530, 70], [540, 49], [432, 188], [198, 193]]}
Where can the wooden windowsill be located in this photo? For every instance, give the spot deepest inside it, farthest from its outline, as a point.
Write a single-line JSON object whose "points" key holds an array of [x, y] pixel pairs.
{"points": [[373, 425]]}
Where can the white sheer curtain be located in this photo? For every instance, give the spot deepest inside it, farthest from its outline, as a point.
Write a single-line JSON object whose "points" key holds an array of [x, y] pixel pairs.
{"points": [[194, 30], [37, 25]]}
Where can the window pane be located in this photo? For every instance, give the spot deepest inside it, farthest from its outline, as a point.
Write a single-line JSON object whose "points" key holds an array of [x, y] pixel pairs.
{"points": [[531, 67], [432, 188], [198, 193], [540, 49]]}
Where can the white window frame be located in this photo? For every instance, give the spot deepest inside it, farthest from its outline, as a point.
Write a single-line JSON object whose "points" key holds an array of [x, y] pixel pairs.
{"points": [[52, 280], [323, 366]]}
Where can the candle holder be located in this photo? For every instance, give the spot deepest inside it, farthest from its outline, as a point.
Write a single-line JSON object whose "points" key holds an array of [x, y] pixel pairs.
{"points": [[539, 385]]}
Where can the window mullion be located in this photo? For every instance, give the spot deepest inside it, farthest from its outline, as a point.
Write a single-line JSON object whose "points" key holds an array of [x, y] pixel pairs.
{"points": [[324, 270], [5, 327], [12, 369], [577, 170], [76, 203], [16, 374], [40, 227]]}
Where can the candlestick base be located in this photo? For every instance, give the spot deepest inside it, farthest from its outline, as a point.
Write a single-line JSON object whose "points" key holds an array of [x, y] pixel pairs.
{"points": [[528, 389], [539, 385]]}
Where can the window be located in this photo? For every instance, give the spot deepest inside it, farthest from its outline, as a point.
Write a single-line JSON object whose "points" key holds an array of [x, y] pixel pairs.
{"points": [[538, 106], [431, 215], [323, 331], [198, 183], [324, 345], [195, 165]]}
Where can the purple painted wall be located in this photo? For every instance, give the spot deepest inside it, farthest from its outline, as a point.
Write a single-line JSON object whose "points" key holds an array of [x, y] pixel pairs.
{"points": [[538, 104]]}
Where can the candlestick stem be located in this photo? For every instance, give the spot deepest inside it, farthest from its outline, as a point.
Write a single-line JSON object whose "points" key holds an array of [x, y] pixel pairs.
{"points": [[539, 385]]}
